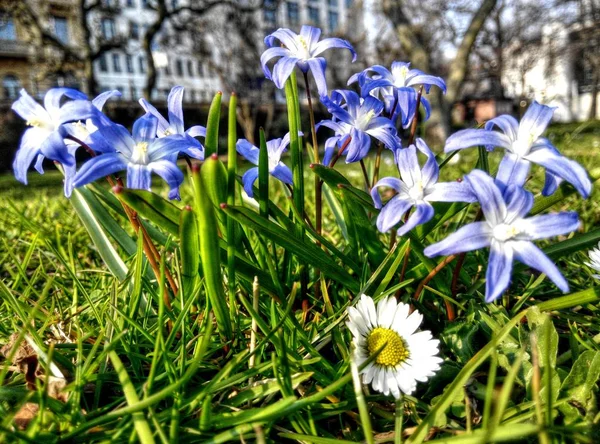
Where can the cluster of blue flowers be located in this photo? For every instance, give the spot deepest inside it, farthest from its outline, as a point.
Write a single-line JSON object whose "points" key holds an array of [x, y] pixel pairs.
{"points": [[58, 129], [387, 101]]}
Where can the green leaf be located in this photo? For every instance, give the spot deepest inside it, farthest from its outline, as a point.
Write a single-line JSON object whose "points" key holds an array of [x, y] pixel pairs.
{"points": [[579, 387], [214, 177], [79, 200], [190, 249], [209, 253], [151, 206], [576, 243], [211, 141], [306, 251]]}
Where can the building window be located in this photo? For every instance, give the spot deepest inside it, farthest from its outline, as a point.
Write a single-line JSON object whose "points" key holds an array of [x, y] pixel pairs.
{"points": [[333, 21], [349, 3], [270, 12], [200, 69], [61, 29], [190, 68], [116, 59], [7, 27], [313, 15], [145, 3], [134, 30], [129, 63], [11, 86], [108, 29], [142, 64], [179, 68], [102, 65], [174, 4], [130, 3], [332, 3], [293, 14]]}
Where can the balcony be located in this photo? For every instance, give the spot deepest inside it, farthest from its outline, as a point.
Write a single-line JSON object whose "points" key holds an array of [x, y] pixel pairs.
{"points": [[14, 48]]}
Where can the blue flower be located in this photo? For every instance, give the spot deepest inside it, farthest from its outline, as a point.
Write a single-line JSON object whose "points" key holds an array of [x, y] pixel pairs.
{"points": [[175, 123], [395, 88], [45, 138], [524, 146], [278, 169], [508, 233], [416, 188], [300, 50], [362, 119], [140, 154]]}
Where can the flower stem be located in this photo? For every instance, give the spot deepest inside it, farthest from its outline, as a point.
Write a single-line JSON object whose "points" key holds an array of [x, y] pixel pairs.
{"points": [[413, 128], [431, 275], [365, 175], [399, 419], [377, 164], [340, 152]]}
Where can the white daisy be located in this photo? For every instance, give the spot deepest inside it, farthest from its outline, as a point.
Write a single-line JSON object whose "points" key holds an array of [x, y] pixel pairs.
{"points": [[408, 357], [594, 262]]}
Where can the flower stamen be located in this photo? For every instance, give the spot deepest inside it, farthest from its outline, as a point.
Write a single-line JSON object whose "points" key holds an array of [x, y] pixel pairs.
{"points": [[395, 351]]}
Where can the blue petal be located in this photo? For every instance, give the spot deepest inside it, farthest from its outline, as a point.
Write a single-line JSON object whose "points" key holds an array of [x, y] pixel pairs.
{"points": [[144, 128], [285, 36], [283, 173], [117, 137], [392, 212], [372, 104], [282, 70], [513, 170], [138, 177], [29, 109], [54, 148], [423, 214], [248, 180], [451, 192], [249, 151], [317, 67], [474, 137], [268, 55], [518, 203], [386, 135], [378, 83], [70, 172], [567, 169], [310, 34], [530, 255], [408, 165], [192, 148], [406, 106], [431, 169], [489, 196], [419, 78], [196, 131], [170, 173], [508, 125], [29, 148], [53, 97], [358, 146], [163, 125], [391, 182], [350, 97], [99, 167], [551, 183], [499, 270], [468, 238], [550, 225], [101, 99], [330, 145], [175, 110], [76, 110], [534, 122], [169, 146], [326, 44]]}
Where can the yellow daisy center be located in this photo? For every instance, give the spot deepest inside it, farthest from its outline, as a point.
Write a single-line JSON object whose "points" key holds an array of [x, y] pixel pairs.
{"points": [[395, 351]]}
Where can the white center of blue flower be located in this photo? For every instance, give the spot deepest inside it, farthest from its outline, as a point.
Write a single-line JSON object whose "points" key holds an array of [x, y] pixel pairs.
{"points": [[400, 77], [140, 154], [303, 49], [504, 232], [362, 122], [417, 192], [41, 123]]}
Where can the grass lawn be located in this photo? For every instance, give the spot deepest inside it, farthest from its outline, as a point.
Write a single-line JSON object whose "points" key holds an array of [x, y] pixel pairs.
{"points": [[87, 357]]}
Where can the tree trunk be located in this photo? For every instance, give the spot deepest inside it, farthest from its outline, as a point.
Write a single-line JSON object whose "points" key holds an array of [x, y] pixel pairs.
{"points": [[592, 113], [151, 32]]}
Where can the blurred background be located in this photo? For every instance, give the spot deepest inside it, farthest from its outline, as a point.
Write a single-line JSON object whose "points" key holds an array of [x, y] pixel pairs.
{"points": [[496, 55]]}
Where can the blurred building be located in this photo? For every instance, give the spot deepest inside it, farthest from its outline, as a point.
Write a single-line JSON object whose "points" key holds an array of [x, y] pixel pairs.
{"points": [[25, 61]]}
